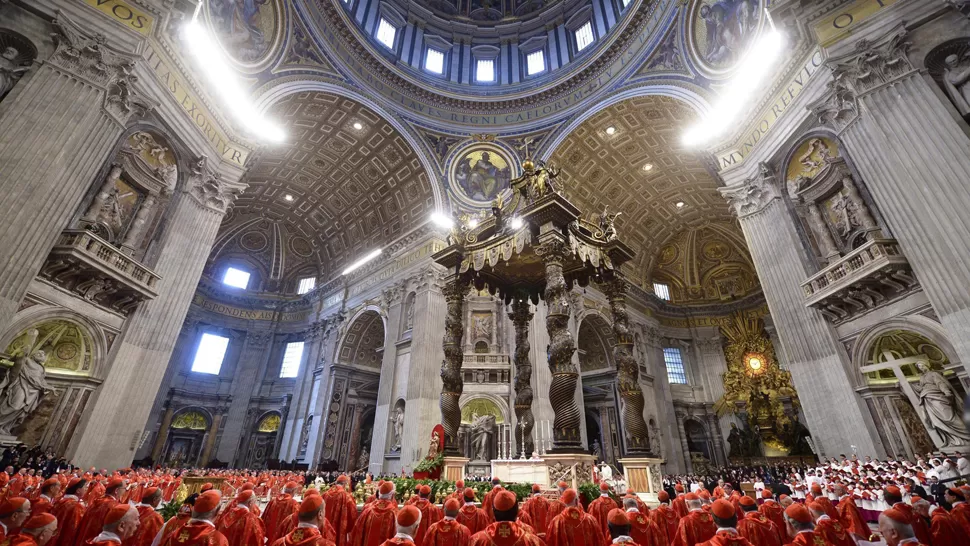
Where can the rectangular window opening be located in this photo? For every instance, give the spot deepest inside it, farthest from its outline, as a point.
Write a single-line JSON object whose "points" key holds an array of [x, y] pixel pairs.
{"points": [[584, 36], [210, 354], [236, 278], [535, 62], [291, 359], [434, 61], [386, 33], [676, 374], [485, 70], [662, 291], [306, 284]]}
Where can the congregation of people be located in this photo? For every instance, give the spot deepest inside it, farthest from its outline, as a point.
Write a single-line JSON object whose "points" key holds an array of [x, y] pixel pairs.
{"points": [[817, 506]]}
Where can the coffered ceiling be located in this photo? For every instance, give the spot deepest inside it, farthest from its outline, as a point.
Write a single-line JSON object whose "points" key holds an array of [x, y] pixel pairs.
{"points": [[345, 181], [643, 171]]}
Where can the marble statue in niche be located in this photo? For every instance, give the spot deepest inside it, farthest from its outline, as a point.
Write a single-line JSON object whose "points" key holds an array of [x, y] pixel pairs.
{"points": [[397, 428], [956, 80], [481, 429], [12, 67], [942, 408], [22, 389], [483, 326]]}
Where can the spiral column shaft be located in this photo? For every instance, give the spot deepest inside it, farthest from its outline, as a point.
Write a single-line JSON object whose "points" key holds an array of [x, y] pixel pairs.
{"points": [[452, 384], [521, 316]]}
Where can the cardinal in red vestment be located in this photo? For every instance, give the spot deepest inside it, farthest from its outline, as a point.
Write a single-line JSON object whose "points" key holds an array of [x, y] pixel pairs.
{"points": [[93, 519], [697, 526], [448, 532], [377, 523], [756, 527], [801, 527], [556, 506], [724, 514], [470, 515], [14, 511], [226, 510], [37, 531], [679, 504], [407, 521], [572, 527], [430, 514], [895, 529], [293, 520], [537, 509], [618, 528], [239, 524], [200, 530], [831, 529], [489, 497], [49, 491], [960, 511], [312, 518], [458, 493], [69, 511], [894, 498], [278, 509], [601, 507], [772, 510], [643, 530], [849, 514], [149, 520], [664, 516], [340, 509], [120, 524], [505, 531], [819, 496]]}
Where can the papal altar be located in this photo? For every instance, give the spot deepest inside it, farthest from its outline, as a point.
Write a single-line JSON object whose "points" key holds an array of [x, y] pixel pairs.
{"points": [[521, 471]]}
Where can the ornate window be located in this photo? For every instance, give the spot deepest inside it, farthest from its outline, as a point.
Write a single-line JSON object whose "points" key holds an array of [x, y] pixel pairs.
{"points": [[584, 36], [434, 61], [675, 366], [291, 360], [485, 71], [236, 278], [662, 291], [386, 32], [306, 284], [210, 354], [535, 62]]}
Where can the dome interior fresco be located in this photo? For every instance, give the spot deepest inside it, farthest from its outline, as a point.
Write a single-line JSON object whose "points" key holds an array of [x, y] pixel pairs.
{"points": [[706, 264], [642, 171], [331, 192]]}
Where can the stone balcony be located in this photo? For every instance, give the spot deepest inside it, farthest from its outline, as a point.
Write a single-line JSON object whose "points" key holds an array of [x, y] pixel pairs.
{"points": [[94, 269], [486, 368], [868, 277]]}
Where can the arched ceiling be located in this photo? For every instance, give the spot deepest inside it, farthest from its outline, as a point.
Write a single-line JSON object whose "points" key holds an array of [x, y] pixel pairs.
{"points": [[600, 169], [342, 190]]}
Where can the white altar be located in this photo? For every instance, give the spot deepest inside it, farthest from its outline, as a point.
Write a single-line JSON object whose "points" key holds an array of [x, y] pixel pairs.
{"points": [[521, 471]]}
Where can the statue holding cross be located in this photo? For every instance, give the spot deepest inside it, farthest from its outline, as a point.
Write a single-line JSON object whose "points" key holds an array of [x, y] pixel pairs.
{"points": [[934, 398]]}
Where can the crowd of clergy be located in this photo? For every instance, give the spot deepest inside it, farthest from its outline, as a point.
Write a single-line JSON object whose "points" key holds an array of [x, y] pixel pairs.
{"points": [[122, 509]]}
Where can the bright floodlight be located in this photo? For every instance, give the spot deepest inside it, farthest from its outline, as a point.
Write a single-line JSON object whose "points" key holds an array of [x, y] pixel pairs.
{"points": [[442, 220], [736, 96], [516, 222], [362, 261], [213, 64], [473, 223]]}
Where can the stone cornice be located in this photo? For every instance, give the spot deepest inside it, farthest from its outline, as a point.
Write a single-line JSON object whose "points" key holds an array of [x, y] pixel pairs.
{"points": [[754, 194]]}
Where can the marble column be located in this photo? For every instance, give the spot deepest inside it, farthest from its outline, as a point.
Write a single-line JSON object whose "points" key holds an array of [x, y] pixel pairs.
{"points": [[912, 156], [141, 355], [713, 365], [663, 395], [452, 384], [292, 426], [253, 358], [521, 316], [684, 447], [210, 439], [134, 235], [323, 379], [541, 376], [385, 389], [162, 436], [718, 438], [817, 361], [627, 376], [57, 128]]}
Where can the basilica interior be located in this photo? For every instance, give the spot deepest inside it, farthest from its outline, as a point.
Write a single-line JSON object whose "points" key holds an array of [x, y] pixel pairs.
{"points": [[662, 234]]}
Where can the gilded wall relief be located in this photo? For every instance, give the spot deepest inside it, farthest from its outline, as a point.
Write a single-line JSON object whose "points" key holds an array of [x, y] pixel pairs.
{"points": [[720, 32], [480, 407], [249, 32], [67, 345]]}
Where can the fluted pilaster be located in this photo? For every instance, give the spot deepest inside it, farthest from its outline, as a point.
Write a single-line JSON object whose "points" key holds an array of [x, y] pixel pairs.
{"points": [[817, 362], [302, 392], [122, 404], [913, 158], [253, 359], [56, 130]]}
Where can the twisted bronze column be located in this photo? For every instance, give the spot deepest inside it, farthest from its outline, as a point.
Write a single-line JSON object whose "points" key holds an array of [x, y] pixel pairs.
{"points": [[627, 373], [452, 383], [562, 390], [520, 316]]}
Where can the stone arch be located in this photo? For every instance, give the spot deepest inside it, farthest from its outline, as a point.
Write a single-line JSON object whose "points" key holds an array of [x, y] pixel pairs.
{"points": [[595, 333], [494, 400], [698, 438], [361, 335], [186, 436], [258, 272], [918, 324], [35, 316], [279, 88]]}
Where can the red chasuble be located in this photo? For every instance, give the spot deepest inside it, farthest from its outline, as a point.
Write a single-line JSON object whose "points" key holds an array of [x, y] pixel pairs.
{"points": [[574, 528], [666, 519], [919, 525], [644, 531], [680, 506], [276, 512], [773, 511], [303, 536], [487, 503], [828, 507], [95, 492], [472, 517], [40, 505], [69, 511], [961, 514], [600, 509], [196, 533], [727, 538], [809, 538], [759, 530], [341, 512], [293, 521], [447, 532], [376, 524], [149, 523], [537, 508], [23, 539], [398, 541], [505, 533], [697, 527], [241, 527], [430, 514], [851, 517], [93, 519], [833, 532], [943, 529]]}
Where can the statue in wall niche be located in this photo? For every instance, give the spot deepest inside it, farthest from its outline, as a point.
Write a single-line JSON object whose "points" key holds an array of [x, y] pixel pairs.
{"points": [[12, 68], [846, 213], [483, 326], [481, 429], [409, 317], [943, 409], [956, 78], [21, 390], [364, 459], [397, 428]]}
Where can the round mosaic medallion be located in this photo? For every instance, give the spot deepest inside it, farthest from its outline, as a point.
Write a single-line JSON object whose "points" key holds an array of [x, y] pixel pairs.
{"points": [[250, 33], [719, 33], [301, 247], [480, 172], [253, 241], [668, 254]]}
